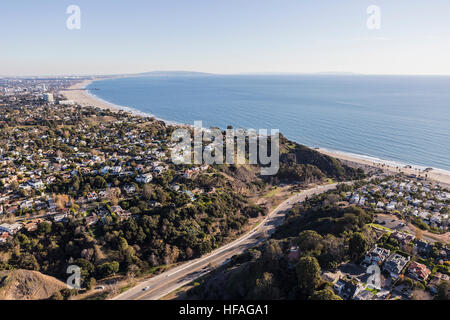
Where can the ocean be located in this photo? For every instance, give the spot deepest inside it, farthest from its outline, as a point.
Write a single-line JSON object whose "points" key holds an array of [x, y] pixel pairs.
{"points": [[402, 119]]}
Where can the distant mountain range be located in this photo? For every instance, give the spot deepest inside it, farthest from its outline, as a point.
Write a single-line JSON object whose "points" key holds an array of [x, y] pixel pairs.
{"points": [[169, 73], [162, 73]]}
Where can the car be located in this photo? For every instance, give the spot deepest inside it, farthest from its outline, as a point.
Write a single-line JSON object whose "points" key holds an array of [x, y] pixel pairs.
{"points": [[146, 288]]}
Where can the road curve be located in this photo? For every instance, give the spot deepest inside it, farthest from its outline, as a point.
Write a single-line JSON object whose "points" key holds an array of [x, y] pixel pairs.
{"points": [[170, 280]]}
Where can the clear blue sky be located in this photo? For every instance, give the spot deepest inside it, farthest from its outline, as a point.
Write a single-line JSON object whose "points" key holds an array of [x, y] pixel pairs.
{"points": [[224, 36]]}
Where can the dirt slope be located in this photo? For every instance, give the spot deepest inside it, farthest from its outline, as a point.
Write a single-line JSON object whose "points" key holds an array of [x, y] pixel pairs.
{"points": [[27, 285]]}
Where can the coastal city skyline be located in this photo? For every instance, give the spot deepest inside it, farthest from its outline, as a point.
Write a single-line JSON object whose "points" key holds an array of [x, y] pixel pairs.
{"points": [[226, 37]]}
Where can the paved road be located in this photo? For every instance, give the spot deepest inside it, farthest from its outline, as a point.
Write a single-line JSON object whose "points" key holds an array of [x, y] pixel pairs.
{"points": [[166, 282]]}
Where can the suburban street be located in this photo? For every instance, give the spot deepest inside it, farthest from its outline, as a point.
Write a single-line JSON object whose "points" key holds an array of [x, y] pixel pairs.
{"points": [[166, 282]]}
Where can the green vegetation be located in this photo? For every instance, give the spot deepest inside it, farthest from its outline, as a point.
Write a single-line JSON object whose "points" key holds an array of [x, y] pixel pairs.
{"points": [[324, 236], [88, 161]]}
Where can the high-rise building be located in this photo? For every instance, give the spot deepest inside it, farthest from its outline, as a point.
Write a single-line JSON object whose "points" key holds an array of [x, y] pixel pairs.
{"points": [[48, 97]]}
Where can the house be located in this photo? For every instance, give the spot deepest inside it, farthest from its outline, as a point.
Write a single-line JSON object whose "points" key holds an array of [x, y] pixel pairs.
{"points": [[189, 194], [60, 217], [354, 199], [10, 228], [436, 281], [375, 256], [380, 204], [30, 226], [391, 206], [36, 184], [92, 196], [435, 219], [364, 295], [105, 170], [346, 289], [144, 178], [395, 264], [116, 170], [418, 271], [129, 188], [103, 213], [362, 201], [12, 209], [187, 174], [159, 169], [404, 239], [26, 205], [423, 248], [40, 205], [122, 214], [3, 236], [90, 220]]}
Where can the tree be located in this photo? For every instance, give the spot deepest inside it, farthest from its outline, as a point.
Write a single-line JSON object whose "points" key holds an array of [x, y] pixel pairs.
{"points": [[272, 251], [28, 261], [418, 233], [357, 246], [56, 296], [87, 269], [67, 293], [265, 288], [324, 294], [100, 182], [308, 274], [91, 283], [108, 268], [148, 192], [443, 291], [309, 240]]}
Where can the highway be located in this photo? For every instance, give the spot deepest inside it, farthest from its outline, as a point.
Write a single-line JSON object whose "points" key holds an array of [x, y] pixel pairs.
{"points": [[170, 280]]}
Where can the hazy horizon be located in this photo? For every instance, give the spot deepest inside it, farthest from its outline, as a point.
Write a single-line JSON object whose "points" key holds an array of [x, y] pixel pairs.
{"points": [[267, 73], [225, 37]]}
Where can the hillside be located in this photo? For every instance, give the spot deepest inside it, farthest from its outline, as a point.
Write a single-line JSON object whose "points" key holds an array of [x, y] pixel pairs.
{"points": [[302, 164], [28, 285], [319, 228]]}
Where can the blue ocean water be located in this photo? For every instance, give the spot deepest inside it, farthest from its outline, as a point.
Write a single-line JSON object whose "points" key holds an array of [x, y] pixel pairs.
{"points": [[404, 119]]}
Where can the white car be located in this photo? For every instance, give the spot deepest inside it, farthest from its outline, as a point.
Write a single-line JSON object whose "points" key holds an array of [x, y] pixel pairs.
{"points": [[146, 288]]}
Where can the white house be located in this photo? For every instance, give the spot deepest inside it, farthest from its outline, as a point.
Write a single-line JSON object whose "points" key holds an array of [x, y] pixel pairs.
{"points": [[144, 178], [36, 184], [10, 228]]}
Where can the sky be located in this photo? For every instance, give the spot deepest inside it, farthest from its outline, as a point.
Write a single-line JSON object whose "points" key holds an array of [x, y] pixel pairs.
{"points": [[225, 36]]}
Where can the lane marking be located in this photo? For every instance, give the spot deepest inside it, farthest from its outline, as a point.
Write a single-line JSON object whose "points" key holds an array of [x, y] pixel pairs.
{"points": [[246, 236]]}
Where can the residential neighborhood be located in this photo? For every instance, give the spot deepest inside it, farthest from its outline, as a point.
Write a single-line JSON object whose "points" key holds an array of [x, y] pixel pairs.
{"points": [[411, 252]]}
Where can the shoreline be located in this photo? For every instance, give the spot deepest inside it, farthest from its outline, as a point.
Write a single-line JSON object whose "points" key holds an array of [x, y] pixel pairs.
{"points": [[80, 95], [83, 97], [427, 173]]}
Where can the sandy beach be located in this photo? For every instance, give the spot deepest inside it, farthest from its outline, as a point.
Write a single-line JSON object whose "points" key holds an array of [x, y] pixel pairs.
{"points": [[435, 175], [78, 94]]}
